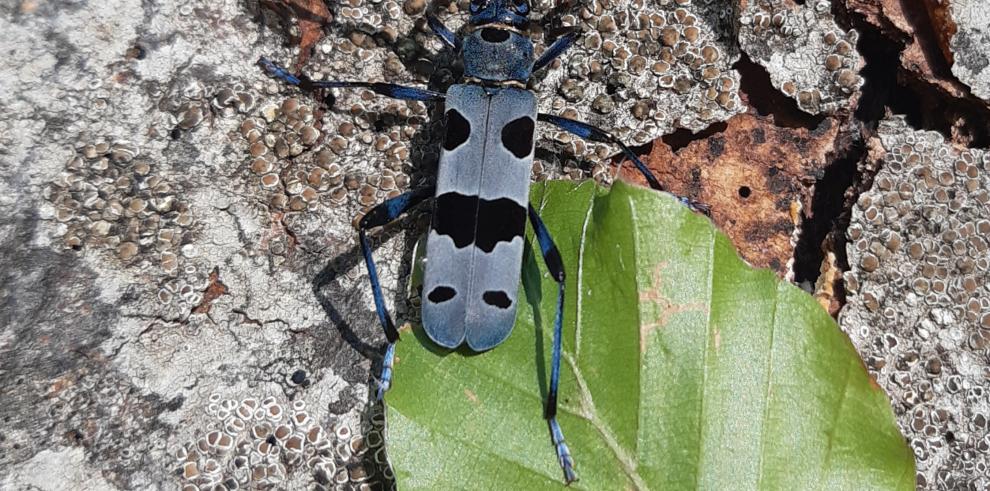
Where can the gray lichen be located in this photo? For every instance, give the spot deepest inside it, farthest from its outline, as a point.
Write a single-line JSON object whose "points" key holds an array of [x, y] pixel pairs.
{"points": [[645, 69], [970, 45], [918, 297], [272, 443], [125, 185], [808, 56]]}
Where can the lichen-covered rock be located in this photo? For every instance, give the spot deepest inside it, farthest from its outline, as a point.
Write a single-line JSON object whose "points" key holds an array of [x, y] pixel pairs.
{"points": [[180, 277], [918, 301], [178, 238], [970, 45], [808, 56], [644, 68], [144, 268]]}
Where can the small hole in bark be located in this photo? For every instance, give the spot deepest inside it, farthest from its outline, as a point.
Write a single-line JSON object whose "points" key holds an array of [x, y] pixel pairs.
{"points": [[744, 191]]}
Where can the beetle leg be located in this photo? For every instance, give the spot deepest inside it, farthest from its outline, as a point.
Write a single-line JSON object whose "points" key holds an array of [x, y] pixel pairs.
{"points": [[389, 90], [556, 49], [589, 132], [551, 256], [445, 35], [382, 214]]}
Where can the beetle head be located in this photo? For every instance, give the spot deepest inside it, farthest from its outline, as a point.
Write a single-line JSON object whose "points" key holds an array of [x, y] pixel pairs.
{"points": [[514, 13]]}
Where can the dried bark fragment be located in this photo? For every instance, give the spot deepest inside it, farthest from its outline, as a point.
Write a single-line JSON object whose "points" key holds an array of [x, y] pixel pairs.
{"points": [[827, 286], [945, 28], [888, 15], [927, 83], [756, 176], [212, 292], [310, 16]]}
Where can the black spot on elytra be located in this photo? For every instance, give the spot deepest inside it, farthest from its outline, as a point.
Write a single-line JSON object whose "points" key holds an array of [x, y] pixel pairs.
{"points": [[455, 215], [467, 219], [458, 130], [495, 35], [517, 136], [441, 294], [497, 298], [499, 220]]}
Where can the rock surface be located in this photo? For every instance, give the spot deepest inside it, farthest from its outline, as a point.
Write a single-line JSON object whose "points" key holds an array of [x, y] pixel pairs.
{"points": [[808, 56], [919, 296], [970, 39], [160, 317], [184, 302]]}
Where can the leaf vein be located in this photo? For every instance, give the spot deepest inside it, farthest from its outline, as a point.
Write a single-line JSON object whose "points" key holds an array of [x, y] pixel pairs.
{"points": [[704, 363], [627, 462], [827, 461], [580, 276], [766, 391]]}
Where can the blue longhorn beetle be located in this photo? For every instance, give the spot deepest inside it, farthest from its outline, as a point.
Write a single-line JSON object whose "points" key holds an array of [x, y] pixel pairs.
{"points": [[481, 195]]}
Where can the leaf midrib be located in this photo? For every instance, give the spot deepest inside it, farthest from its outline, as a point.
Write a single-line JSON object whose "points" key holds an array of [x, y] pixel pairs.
{"points": [[704, 364], [766, 391], [627, 460]]}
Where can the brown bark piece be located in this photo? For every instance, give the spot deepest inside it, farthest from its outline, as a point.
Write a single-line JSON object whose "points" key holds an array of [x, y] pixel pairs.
{"points": [[755, 176], [828, 285], [887, 15], [925, 31], [942, 24], [213, 292], [311, 16]]}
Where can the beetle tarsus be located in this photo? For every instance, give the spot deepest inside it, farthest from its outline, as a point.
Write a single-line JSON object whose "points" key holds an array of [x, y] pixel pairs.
{"points": [[385, 380], [563, 453], [278, 72], [696, 206]]}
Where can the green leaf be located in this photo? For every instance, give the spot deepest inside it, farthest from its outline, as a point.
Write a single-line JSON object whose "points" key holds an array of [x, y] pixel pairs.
{"points": [[684, 368]]}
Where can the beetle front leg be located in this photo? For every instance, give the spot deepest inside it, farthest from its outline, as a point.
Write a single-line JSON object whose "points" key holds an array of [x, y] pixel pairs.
{"points": [[388, 90], [551, 256], [555, 50], [446, 35], [592, 133], [385, 213]]}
